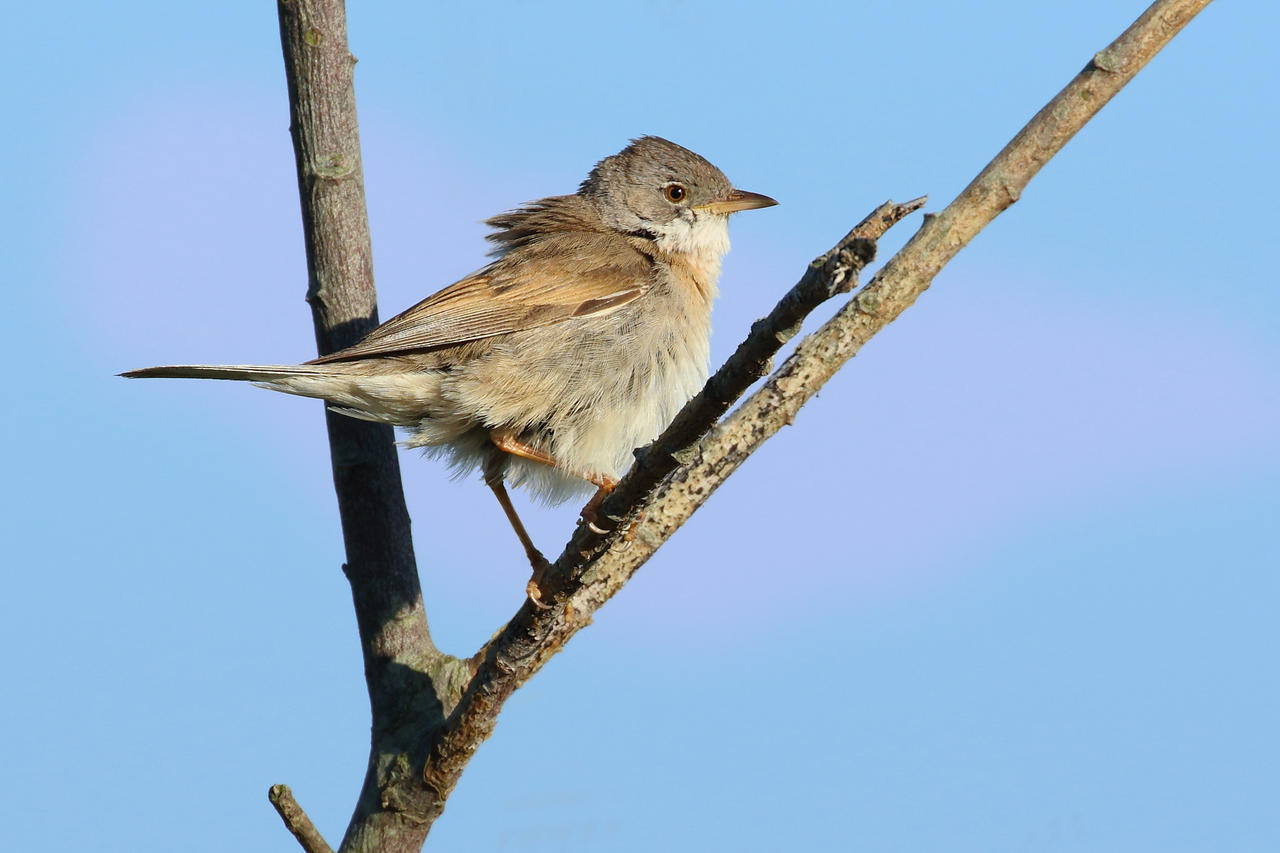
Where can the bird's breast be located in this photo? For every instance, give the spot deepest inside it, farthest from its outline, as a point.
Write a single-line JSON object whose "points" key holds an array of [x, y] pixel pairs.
{"points": [[653, 357], [590, 390]]}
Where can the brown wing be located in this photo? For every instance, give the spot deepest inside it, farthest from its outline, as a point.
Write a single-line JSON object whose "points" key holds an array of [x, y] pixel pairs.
{"points": [[562, 276]]}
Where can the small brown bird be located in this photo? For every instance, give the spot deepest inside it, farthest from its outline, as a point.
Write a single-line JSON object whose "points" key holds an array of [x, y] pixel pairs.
{"points": [[578, 343]]}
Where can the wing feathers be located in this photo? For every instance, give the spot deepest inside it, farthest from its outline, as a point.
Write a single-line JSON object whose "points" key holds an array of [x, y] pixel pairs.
{"points": [[557, 263]]}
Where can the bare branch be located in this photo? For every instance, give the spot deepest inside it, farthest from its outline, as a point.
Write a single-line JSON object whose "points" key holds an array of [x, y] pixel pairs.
{"points": [[296, 820], [410, 682], [375, 522], [593, 567]]}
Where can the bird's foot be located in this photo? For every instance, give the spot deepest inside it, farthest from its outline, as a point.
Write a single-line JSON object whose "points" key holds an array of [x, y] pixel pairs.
{"points": [[533, 588], [591, 512]]}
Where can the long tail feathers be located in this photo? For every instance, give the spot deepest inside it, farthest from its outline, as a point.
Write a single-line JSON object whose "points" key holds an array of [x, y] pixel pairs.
{"points": [[394, 397], [242, 372], [333, 382]]}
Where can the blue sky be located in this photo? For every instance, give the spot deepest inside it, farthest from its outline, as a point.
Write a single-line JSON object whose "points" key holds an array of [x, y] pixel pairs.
{"points": [[1008, 583]]}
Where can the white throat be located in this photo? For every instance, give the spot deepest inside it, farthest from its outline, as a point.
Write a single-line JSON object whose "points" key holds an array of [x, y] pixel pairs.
{"points": [[704, 241]]}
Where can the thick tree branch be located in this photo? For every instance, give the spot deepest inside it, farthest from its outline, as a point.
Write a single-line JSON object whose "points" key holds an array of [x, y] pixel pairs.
{"points": [[593, 567], [409, 680]]}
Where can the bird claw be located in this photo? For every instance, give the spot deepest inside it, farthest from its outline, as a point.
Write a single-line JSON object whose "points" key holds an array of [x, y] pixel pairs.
{"points": [[532, 590], [590, 512]]}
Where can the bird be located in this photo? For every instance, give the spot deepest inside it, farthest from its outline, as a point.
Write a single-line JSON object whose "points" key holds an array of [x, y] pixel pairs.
{"points": [[577, 343]]}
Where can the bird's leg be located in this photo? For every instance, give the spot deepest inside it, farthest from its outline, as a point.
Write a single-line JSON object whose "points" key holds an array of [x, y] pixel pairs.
{"points": [[508, 443], [493, 470], [604, 485], [591, 510]]}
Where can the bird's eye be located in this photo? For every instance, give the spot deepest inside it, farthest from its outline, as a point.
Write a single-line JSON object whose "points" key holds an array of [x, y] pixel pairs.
{"points": [[674, 192]]}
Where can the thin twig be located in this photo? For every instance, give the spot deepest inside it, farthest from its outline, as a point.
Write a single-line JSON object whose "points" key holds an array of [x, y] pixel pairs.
{"points": [[592, 569], [296, 820]]}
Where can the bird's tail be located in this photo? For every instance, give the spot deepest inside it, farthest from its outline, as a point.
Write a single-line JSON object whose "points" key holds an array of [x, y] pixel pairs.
{"points": [[244, 372], [358, 389], [303, 379]]}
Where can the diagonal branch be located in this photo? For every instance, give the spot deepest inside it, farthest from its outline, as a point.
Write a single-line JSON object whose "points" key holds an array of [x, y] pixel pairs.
{"points": [[594, 567], [296, 820]]}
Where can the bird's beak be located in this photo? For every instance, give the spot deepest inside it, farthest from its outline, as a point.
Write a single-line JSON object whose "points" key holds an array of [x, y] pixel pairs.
{"points": [[735, 201]]}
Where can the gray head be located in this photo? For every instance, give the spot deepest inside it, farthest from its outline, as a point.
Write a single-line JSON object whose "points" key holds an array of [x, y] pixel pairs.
{"points": [[654, 186]]}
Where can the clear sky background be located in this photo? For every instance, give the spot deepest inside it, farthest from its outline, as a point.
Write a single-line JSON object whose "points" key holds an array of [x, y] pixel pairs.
{"points": [[1009, 583]]}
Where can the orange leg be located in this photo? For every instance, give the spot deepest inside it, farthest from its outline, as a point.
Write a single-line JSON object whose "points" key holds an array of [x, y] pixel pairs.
{"points": [[493, 479], [510, 444], [591, 511], [604, 485]]}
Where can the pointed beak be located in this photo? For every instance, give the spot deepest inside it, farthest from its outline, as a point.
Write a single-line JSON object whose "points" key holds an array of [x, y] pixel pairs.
{"points": [[735, 201]]}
